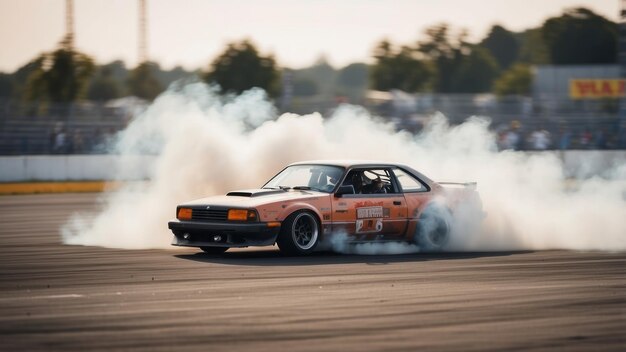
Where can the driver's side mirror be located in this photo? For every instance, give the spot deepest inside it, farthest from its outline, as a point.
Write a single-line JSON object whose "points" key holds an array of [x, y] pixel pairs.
{"points": [[344, 189]]}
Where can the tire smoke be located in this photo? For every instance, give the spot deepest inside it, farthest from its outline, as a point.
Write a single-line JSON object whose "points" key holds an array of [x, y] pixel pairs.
{"points": [[204, 144]]}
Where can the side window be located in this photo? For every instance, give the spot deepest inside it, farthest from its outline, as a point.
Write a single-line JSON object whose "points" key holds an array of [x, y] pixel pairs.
{"points": [[408, 182], [370, 181]]}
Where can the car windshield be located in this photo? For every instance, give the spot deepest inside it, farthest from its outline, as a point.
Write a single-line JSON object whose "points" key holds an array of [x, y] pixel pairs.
{"points": [[321, 178]]}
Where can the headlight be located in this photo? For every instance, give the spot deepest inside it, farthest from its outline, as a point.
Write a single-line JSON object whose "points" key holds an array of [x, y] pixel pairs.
{"points": [[183, 214], [241, 215]]}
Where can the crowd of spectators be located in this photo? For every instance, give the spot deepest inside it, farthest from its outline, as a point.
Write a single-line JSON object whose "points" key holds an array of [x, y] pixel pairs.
{"points": [[75, 141], [514, 137]]}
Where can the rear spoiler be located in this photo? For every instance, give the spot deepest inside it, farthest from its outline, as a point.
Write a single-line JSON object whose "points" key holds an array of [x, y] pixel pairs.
{"points": [[471, 185]]}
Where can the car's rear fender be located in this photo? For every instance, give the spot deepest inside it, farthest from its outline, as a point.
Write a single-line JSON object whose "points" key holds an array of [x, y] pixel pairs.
{"points": [[462, 196]]}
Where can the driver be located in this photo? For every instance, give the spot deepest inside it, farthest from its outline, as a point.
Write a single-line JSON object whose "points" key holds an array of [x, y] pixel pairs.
{"points": [[329, 179], [379, 186]]}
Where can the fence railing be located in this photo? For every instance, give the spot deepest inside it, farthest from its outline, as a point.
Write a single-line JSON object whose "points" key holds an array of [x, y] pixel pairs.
{"points": [[86, 128]]}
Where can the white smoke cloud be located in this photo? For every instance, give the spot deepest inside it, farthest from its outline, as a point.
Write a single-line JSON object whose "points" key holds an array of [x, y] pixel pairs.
{"points": [[205, 145], [340, 242]]}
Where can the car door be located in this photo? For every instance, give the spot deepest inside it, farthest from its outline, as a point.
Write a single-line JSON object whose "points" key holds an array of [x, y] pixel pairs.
{"points": [[417, 194], [365, 215]]}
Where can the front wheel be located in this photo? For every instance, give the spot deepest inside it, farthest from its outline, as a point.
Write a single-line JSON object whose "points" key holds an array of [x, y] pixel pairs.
{"points": [[299, 234], [214, 250]]}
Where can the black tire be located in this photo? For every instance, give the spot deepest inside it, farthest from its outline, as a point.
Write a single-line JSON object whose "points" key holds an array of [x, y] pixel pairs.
{"points": [[299, 234], [433, 230], [214, 250]]}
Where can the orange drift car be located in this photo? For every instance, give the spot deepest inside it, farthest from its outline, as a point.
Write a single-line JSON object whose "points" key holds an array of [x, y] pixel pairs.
{"points": [[308, 202]]}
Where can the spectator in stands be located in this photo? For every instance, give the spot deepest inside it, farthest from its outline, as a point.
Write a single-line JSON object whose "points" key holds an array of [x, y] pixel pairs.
{"points": [[540, 139], [58, 127], [60, 142], [512, 137], [565, 138], [600, 139], [77, 143], [585, 139]]}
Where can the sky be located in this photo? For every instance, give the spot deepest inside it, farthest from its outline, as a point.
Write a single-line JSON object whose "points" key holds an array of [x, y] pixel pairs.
{"points": [[191, 33]]}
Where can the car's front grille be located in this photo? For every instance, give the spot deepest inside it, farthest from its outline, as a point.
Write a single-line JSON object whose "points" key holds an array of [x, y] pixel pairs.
{"points": [[209, 214]]}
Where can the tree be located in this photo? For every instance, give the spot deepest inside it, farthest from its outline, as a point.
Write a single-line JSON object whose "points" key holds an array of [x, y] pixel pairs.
{"points": [[304, 88], [446, 55], [533, 49], [515, 81], [322, 74], [118, 70], [33, 86], [353, 75], [6, 85], [241, 67], [21, 77], [460, 67], [60, 77], [168, 77], [104, 86], [352, 81], [399, 69], [580, 36], [143, 83], [502, 45], [477, 71]]}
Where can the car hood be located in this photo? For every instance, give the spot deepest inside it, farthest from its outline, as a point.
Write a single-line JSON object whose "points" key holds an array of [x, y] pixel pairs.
{"points": [[250, 198]]}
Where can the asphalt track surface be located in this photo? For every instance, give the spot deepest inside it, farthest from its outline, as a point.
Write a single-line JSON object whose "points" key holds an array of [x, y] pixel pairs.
{"points": [[58, 297]]}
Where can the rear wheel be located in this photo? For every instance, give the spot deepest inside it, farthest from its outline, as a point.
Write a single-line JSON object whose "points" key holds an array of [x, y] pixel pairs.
{"points": [[299, 234], [214, 250], [433, 230]]}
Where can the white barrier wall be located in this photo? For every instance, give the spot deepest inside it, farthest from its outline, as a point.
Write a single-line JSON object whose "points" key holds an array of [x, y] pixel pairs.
{"points": [[73, 168], [105, 167]]}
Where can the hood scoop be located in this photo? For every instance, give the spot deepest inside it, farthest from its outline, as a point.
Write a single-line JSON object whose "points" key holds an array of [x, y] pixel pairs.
{"points": [[254, 192]]}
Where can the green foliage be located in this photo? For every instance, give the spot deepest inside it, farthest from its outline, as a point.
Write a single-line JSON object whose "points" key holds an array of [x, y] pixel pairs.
{"points": [[515, 81], [323, 74], [442, 63], [166, 77], [533, 49], [398, 69], [580, 36], [503, 46], [460, 67], [241, 67], [21, 77], [35, 85], [104, 86], [353, 75], [67, 78], [147, 81], [352, 81], [143, 83], [445, 55], [304, 88], [6, 85], [476, 73], [118, 70], [59, 77]]}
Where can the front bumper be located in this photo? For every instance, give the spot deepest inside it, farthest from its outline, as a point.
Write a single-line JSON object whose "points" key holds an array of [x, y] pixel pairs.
{"points": [[202, 234]]}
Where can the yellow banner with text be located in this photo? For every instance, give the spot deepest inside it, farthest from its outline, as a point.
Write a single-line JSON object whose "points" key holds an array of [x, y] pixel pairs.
{"points": [[596, 88]]}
